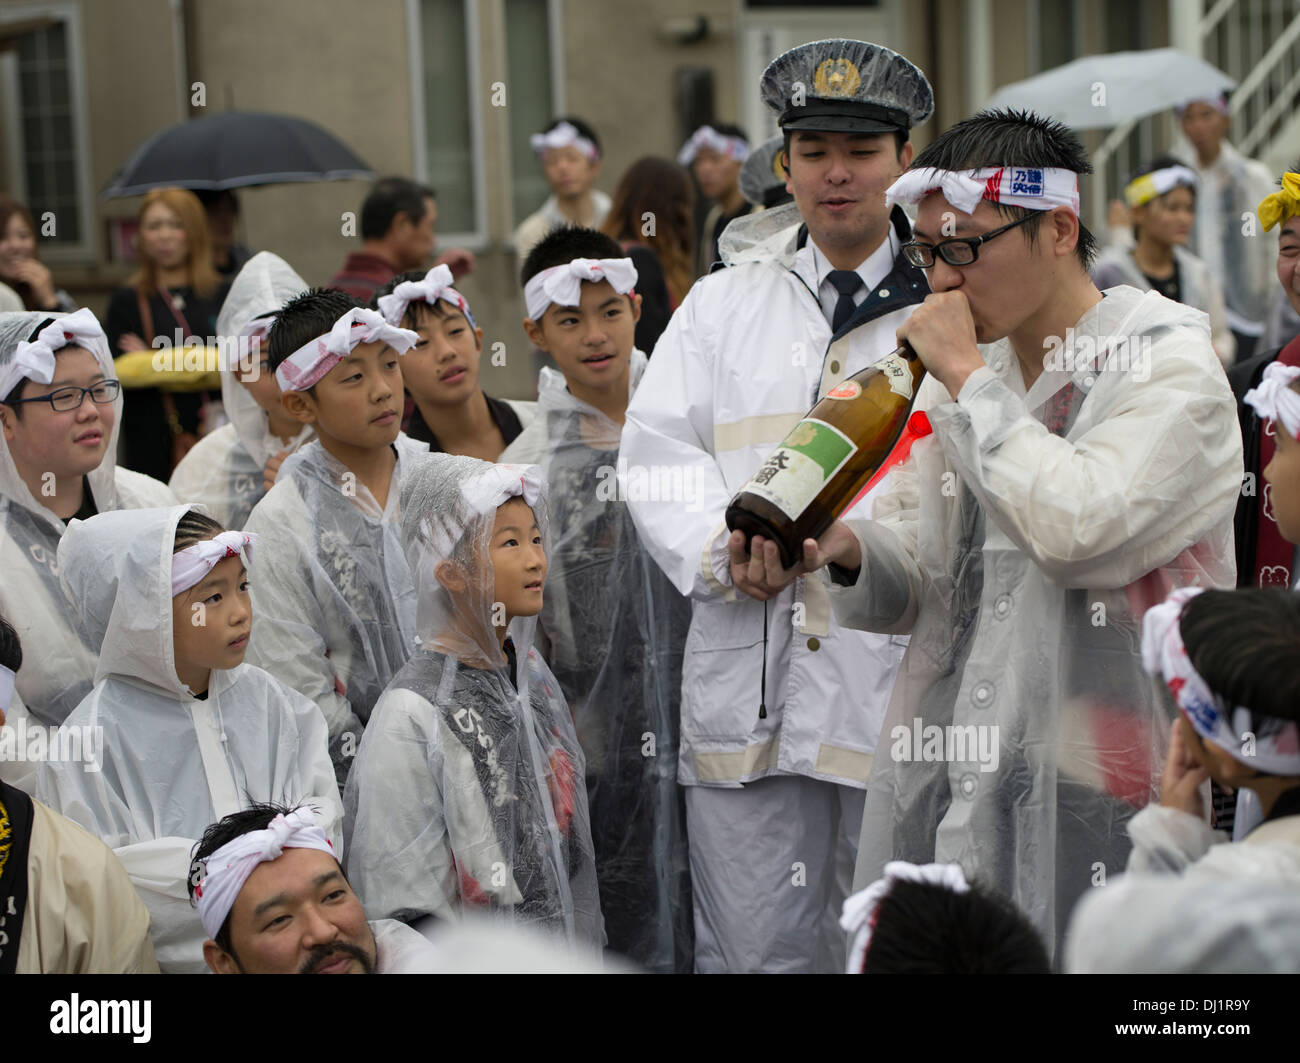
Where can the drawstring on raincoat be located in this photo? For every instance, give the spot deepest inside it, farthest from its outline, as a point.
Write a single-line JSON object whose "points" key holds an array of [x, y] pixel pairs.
{"points": [[762, 686]]}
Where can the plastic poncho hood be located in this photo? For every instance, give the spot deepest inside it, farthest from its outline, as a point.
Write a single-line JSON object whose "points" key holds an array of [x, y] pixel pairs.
{"points": [[14, 329], [116, 571], [467, 789], [449, 503], [262, 287]]}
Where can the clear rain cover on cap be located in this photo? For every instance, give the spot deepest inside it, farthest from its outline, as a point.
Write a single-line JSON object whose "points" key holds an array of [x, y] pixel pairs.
{"points": [[59, 658], [757, 174], [171, 764], [617, 632], [467, 789], [224, 470]]}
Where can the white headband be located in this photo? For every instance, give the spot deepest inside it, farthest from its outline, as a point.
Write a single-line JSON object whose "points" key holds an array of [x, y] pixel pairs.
{"points": [[313, 360], [35, 361], [858, 918], [707, 137], [1164, 654], [226, 870], [564, 135], [191, 565], [6, 687], [1274, 399], [562, 285], [1034, 187], [1156, 183], [484, 492], [435, 285]]}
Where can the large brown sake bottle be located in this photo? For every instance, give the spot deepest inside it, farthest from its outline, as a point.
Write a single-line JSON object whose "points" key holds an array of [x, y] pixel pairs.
{"points": [[828, 457]]}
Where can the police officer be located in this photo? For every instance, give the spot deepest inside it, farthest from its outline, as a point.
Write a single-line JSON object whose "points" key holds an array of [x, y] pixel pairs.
{"points": [[781, 707]]}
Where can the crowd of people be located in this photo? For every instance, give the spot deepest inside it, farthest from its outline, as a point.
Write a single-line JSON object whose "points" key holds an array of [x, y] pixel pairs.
{"points": [[335, 663]]}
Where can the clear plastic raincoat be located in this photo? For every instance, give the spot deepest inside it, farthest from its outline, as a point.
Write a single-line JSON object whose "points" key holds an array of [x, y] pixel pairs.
{"points": [[616, 629], [1020, 546], [1191, 903], [467, 791], [170, 764], [334, 602], [225, 469], [59, 662]]}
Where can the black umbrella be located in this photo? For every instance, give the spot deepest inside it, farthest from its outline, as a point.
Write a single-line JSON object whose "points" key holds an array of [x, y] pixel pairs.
{"points": [[234, 149]]}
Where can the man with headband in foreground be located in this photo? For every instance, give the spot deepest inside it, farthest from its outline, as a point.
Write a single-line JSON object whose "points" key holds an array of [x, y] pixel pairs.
{"points": [[273, 899], [1083, 463]]}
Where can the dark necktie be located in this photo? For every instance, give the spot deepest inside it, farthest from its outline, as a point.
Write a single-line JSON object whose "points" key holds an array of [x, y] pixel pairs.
{"points": [[846, 282]]}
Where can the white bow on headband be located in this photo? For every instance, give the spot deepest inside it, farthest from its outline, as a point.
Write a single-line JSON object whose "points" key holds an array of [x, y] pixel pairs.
{"points": [[1033, 187], [562, 285], [1275, 400], [434, 285], [483, 493], [707, 137], [313, 360], [564, 135], [858, 917], [191, 565], [35, 360], [226, 870]]}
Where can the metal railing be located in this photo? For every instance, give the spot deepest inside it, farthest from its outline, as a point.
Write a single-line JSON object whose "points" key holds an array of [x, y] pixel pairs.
{"points": [[1257, 43]]}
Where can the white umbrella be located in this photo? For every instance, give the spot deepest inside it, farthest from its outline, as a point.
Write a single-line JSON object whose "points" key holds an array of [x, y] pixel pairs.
{"points": [[1101, 91]]}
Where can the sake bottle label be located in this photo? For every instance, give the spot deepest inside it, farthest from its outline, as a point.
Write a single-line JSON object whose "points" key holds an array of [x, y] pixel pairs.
{"points": [[801, 466], [898, 374]]}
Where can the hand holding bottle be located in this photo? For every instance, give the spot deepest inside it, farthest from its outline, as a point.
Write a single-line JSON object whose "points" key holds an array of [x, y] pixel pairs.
{"points": [[942, 332], [759, 573]]}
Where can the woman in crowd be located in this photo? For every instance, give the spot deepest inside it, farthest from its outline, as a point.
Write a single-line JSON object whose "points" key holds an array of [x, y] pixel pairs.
{"points": [[20, 269], [652, 218], [174, 288]]}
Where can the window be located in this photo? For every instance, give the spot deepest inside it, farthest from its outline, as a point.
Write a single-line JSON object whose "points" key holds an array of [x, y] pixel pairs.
{"points": [[531, 41], [46, 153], [447, 115], [1054, 37], [452, 97]]}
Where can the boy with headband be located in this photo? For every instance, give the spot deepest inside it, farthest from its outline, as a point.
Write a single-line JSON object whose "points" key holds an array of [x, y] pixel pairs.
{"points": [[336, 605], [1228, 664], [569, 152]]}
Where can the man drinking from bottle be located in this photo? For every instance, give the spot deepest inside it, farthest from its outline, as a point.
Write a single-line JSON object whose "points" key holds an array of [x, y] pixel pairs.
{"points": [[1083, 464]]}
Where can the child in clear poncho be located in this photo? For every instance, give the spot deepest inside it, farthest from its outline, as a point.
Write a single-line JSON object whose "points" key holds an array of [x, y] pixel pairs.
{"points": [[467, 789], [231, 469], [180, 730]]}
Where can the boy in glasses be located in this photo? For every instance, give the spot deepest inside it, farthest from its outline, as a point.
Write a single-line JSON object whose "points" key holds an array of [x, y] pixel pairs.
{"points": [[1083, 464], [60, 410], [780, 706]]}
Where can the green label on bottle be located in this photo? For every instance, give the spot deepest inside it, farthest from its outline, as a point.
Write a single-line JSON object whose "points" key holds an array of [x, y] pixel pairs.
{"points": [[807, 459]]}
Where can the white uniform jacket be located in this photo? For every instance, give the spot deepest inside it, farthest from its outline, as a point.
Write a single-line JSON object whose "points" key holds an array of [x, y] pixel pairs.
{"points": [[743, 359]]}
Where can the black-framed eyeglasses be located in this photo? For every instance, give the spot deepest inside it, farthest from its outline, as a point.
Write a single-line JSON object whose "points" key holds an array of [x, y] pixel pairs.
{"points": [[71, 397], [959, 251]]}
